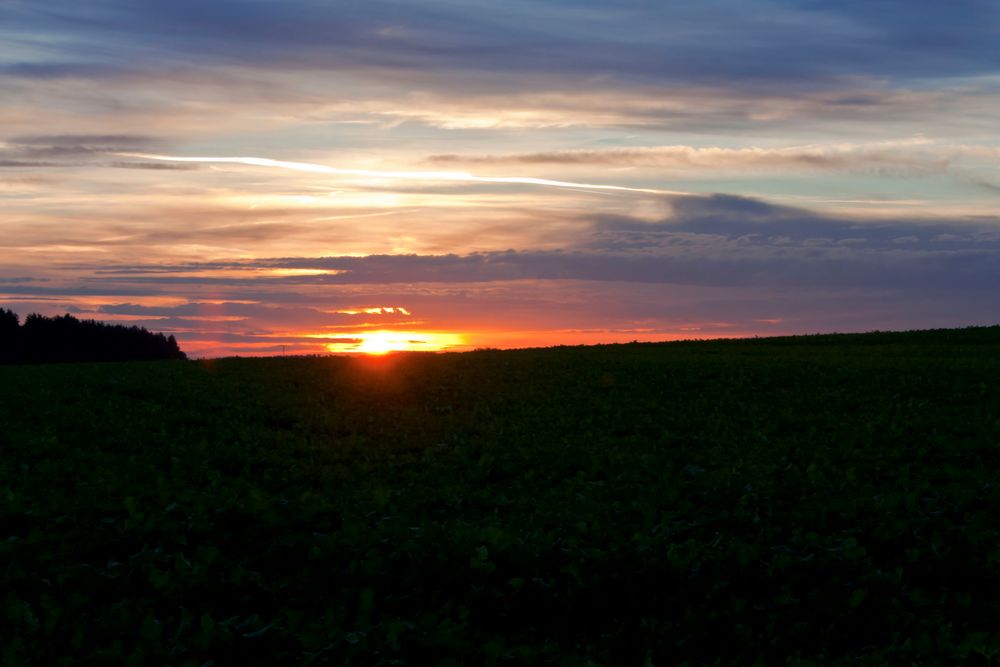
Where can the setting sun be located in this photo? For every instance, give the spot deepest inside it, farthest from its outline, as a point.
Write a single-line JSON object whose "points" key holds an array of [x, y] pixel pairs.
{"points": [[383, 342]]}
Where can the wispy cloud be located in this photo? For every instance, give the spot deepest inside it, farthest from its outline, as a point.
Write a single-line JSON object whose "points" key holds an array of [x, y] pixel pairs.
{"points": [[717, 240], [60, 150], [561, 137], [799, 40], [453, 176], [533, 65], [916, 153]]}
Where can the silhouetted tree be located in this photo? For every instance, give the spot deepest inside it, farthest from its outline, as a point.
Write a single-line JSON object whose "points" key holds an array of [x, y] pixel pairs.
{"points": [[10, 336], [65, 338]]}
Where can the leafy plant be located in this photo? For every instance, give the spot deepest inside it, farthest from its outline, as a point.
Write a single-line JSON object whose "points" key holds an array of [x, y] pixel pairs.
{"points": [[814, 500]]}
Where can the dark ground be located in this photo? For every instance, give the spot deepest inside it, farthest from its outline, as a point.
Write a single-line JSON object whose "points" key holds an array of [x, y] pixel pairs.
{"points": [[814, 500]]}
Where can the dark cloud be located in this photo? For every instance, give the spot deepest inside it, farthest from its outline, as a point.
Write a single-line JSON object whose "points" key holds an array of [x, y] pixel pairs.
{"points": [[716, 283], [715, 240], [754, 222], [16, 280], [988, 185], [61, 150], [58, 70], [154, 166], [133, 141], [77, 288], [718, 42], [269, 315], [717, 66], [28, 164], [850, 158]]}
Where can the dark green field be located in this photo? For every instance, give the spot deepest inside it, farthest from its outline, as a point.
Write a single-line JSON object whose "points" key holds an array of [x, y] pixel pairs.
{"points": [[814, 500]]}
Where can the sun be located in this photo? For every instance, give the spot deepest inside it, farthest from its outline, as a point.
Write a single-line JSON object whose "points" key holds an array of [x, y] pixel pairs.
{"points": [[382, 342]]}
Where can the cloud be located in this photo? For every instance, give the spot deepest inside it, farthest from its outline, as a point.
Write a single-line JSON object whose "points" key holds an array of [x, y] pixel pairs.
{"points": [[798, 98], [273, 317], [60, 150], [746, 223], [526, 312], [47, 71], [697, 106], [430, 176], [30, 164], [87, 140], [711, 266], [156, 166], [722, 40], [899, 155], [14, 280], [470, 65], [705, 240], [721, 66]]}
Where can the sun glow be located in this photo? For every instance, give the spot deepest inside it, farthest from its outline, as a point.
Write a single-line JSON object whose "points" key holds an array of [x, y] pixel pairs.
{"points": [[383, 342]]}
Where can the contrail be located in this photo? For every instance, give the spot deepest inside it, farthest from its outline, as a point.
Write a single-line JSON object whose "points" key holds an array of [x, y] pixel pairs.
{"points": [[458, 176]]}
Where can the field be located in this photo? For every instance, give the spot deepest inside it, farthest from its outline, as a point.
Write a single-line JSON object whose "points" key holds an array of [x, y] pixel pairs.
{"points": [[810, 500]]}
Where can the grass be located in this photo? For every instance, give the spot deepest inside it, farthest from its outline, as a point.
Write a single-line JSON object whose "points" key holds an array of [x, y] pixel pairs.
{"points": [[809, 500]]}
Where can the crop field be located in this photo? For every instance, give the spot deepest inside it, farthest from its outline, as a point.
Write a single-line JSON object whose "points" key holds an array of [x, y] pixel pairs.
{"points": [[829, 500]]}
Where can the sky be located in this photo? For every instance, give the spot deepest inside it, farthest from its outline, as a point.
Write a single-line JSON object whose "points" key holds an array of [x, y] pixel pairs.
{"points": [[306, 177]]}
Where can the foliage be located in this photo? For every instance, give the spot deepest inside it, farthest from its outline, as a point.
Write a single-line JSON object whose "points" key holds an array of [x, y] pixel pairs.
{"points": [[65, 339], [9, 336], [827, 500]]}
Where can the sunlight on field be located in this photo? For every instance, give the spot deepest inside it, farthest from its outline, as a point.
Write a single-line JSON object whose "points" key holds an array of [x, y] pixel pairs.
{"points": [[383, 342]]}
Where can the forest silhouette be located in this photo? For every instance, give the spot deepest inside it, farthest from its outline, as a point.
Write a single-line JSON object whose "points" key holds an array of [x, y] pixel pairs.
{"points": [[64, 338]]}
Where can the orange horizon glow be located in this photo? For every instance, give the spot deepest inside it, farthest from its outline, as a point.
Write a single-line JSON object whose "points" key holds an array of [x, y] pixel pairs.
{"points": [[383, 341], [386, 341]]}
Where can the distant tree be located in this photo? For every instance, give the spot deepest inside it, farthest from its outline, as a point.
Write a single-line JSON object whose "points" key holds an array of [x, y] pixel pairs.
{"points": [[64, 338], [10, 336]]}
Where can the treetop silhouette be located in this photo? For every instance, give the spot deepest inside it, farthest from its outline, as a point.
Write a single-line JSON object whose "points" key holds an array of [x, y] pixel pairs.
{"points": [[64, 338]]}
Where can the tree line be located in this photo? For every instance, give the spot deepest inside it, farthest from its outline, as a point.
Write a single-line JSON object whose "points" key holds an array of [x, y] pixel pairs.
{"points": [[64, 338]]}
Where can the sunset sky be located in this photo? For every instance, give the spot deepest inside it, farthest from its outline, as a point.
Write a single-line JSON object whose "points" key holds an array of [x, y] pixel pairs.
{"points": [[265, 177]]}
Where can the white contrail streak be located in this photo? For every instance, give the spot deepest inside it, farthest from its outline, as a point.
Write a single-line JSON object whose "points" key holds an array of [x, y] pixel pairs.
{"points": [[458, 176]]}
